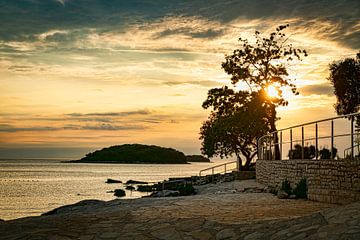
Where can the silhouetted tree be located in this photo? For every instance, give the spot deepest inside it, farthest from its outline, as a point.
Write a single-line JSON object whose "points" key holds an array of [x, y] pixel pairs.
{"points": [[264, 64], [345, 78], [326, 154], [238, 119]]}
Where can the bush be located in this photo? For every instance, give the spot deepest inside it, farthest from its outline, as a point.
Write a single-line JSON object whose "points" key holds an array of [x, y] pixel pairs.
{"points": [[285, 186], [145, 188], [186, 190], [300, 190]]}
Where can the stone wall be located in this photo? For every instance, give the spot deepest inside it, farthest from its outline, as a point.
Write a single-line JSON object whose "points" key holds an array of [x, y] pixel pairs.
{"points": [[331, 181]]}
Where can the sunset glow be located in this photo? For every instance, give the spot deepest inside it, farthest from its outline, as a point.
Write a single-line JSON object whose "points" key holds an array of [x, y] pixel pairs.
{"points": [[84, 74]]}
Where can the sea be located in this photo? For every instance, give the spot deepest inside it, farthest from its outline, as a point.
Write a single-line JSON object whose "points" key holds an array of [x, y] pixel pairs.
{"points": [[30, 187]]}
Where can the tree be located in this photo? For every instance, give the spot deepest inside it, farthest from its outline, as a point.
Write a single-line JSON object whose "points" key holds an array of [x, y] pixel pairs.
{"points": [[263, 65], [238, 119], [345, 78], [326, 154], [296, 153]]}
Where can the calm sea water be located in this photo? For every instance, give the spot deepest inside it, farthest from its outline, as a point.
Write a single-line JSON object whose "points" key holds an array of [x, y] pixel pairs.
{"points": [[32, 187]]}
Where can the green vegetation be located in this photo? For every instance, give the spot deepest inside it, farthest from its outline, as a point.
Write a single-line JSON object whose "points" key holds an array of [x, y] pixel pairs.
{"points": [[145, 188], [134, 153], [310, 152], [239, 117], [345, 78], [285, 186], [197, 158], [186, 190], [300, 190]]}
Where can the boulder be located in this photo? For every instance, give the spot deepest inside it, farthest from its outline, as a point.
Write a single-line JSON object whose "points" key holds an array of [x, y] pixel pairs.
{"points": [[282, 194], [292, 196], [165, 193], [109, 180], [131, 188], [135, 182], [119, 193]]}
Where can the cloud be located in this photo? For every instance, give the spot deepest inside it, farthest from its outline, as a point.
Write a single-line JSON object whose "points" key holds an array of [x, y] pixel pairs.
{"points": [[204, 83], [26, 20], [111, 114], [318, 89], [10, 128], [96, 127]]}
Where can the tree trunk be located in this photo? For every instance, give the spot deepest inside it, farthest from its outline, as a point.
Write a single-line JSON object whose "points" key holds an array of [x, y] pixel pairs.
{"points": [[273, 129], [239, 163]]}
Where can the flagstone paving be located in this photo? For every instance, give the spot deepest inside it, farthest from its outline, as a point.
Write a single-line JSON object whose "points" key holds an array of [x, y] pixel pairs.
{"points": [[221, 211]]}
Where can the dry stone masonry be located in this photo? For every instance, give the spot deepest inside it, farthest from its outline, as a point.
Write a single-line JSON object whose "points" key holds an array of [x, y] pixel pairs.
{"points": [[330, 181]]}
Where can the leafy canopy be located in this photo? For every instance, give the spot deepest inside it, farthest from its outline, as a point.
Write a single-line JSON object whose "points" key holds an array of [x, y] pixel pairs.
{"points": [[345, 78], [238, 118], [264, 63], [233, 129]]}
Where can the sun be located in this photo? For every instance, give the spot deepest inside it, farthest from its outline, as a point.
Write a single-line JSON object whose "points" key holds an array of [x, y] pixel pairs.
{"points": [[272, 92]]}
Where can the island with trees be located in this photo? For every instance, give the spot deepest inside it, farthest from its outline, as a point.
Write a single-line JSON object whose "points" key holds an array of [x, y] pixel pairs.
{"points": [[135, 153], [197, 158]]}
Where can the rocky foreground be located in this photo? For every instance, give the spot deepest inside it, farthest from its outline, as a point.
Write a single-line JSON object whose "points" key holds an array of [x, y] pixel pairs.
{"points": [[235, 210]]}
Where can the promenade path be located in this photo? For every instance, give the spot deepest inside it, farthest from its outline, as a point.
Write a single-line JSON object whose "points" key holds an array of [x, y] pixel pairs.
{"points": [[220, 211]]}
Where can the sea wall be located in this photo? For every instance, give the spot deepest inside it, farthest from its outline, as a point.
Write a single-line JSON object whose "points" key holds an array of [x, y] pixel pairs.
{"points": [[331, 181]]}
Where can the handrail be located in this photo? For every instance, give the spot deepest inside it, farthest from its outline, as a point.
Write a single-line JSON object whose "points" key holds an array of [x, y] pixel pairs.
{"points": [[217, 166], [350, 148], [267, 142]]}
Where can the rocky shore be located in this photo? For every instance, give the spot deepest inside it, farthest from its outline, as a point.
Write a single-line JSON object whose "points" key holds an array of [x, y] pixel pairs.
{"points": [[231, 210]]}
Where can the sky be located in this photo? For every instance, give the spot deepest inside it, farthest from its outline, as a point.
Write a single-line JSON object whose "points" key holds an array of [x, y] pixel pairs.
{"points": [[79, 75]]}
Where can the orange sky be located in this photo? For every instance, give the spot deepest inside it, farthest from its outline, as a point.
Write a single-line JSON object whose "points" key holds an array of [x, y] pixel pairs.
{"points": [[143, 81]]}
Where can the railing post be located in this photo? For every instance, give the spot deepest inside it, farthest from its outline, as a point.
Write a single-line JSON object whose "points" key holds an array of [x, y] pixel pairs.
{"points": [[270, 157], [302, 143], [332, 139], [352, 138], [316, 142], [212, 171], [291, 146], [281, 145]]}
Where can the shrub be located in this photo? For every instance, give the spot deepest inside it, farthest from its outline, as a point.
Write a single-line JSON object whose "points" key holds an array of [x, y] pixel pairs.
{"points": [[285, 186], [301, 189], [145, 188], [185, 190]]}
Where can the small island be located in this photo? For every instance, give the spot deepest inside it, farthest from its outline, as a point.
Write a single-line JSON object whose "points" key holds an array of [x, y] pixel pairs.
{"points": [[197, 158], [135, 153]]}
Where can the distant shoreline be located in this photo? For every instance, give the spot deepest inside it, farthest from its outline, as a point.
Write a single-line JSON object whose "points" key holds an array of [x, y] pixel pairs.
{"points": [[116, 162]]}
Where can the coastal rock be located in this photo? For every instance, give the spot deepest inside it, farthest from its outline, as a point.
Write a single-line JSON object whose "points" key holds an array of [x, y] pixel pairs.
{"points": [[282, 194], [165, 193], [109, 180], [72, 207], [131, 188], [135, 182], [292, 196], [119, 193]]}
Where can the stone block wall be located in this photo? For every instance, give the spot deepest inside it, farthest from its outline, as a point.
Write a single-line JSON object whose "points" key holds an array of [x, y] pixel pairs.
{"points": [[331, 181]]}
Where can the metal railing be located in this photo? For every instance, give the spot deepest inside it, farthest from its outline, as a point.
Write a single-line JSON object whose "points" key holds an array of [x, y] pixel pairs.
{"points": [[272, 146], [347, 151], [224, 168]]}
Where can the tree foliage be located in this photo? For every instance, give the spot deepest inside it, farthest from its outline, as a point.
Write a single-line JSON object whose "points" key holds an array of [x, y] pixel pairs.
{"points": [[345, 78], [234, 129], [238, 118]]}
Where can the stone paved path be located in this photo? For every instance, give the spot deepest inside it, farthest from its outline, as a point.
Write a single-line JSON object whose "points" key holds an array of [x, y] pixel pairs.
{"points": [[218, 212]]}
